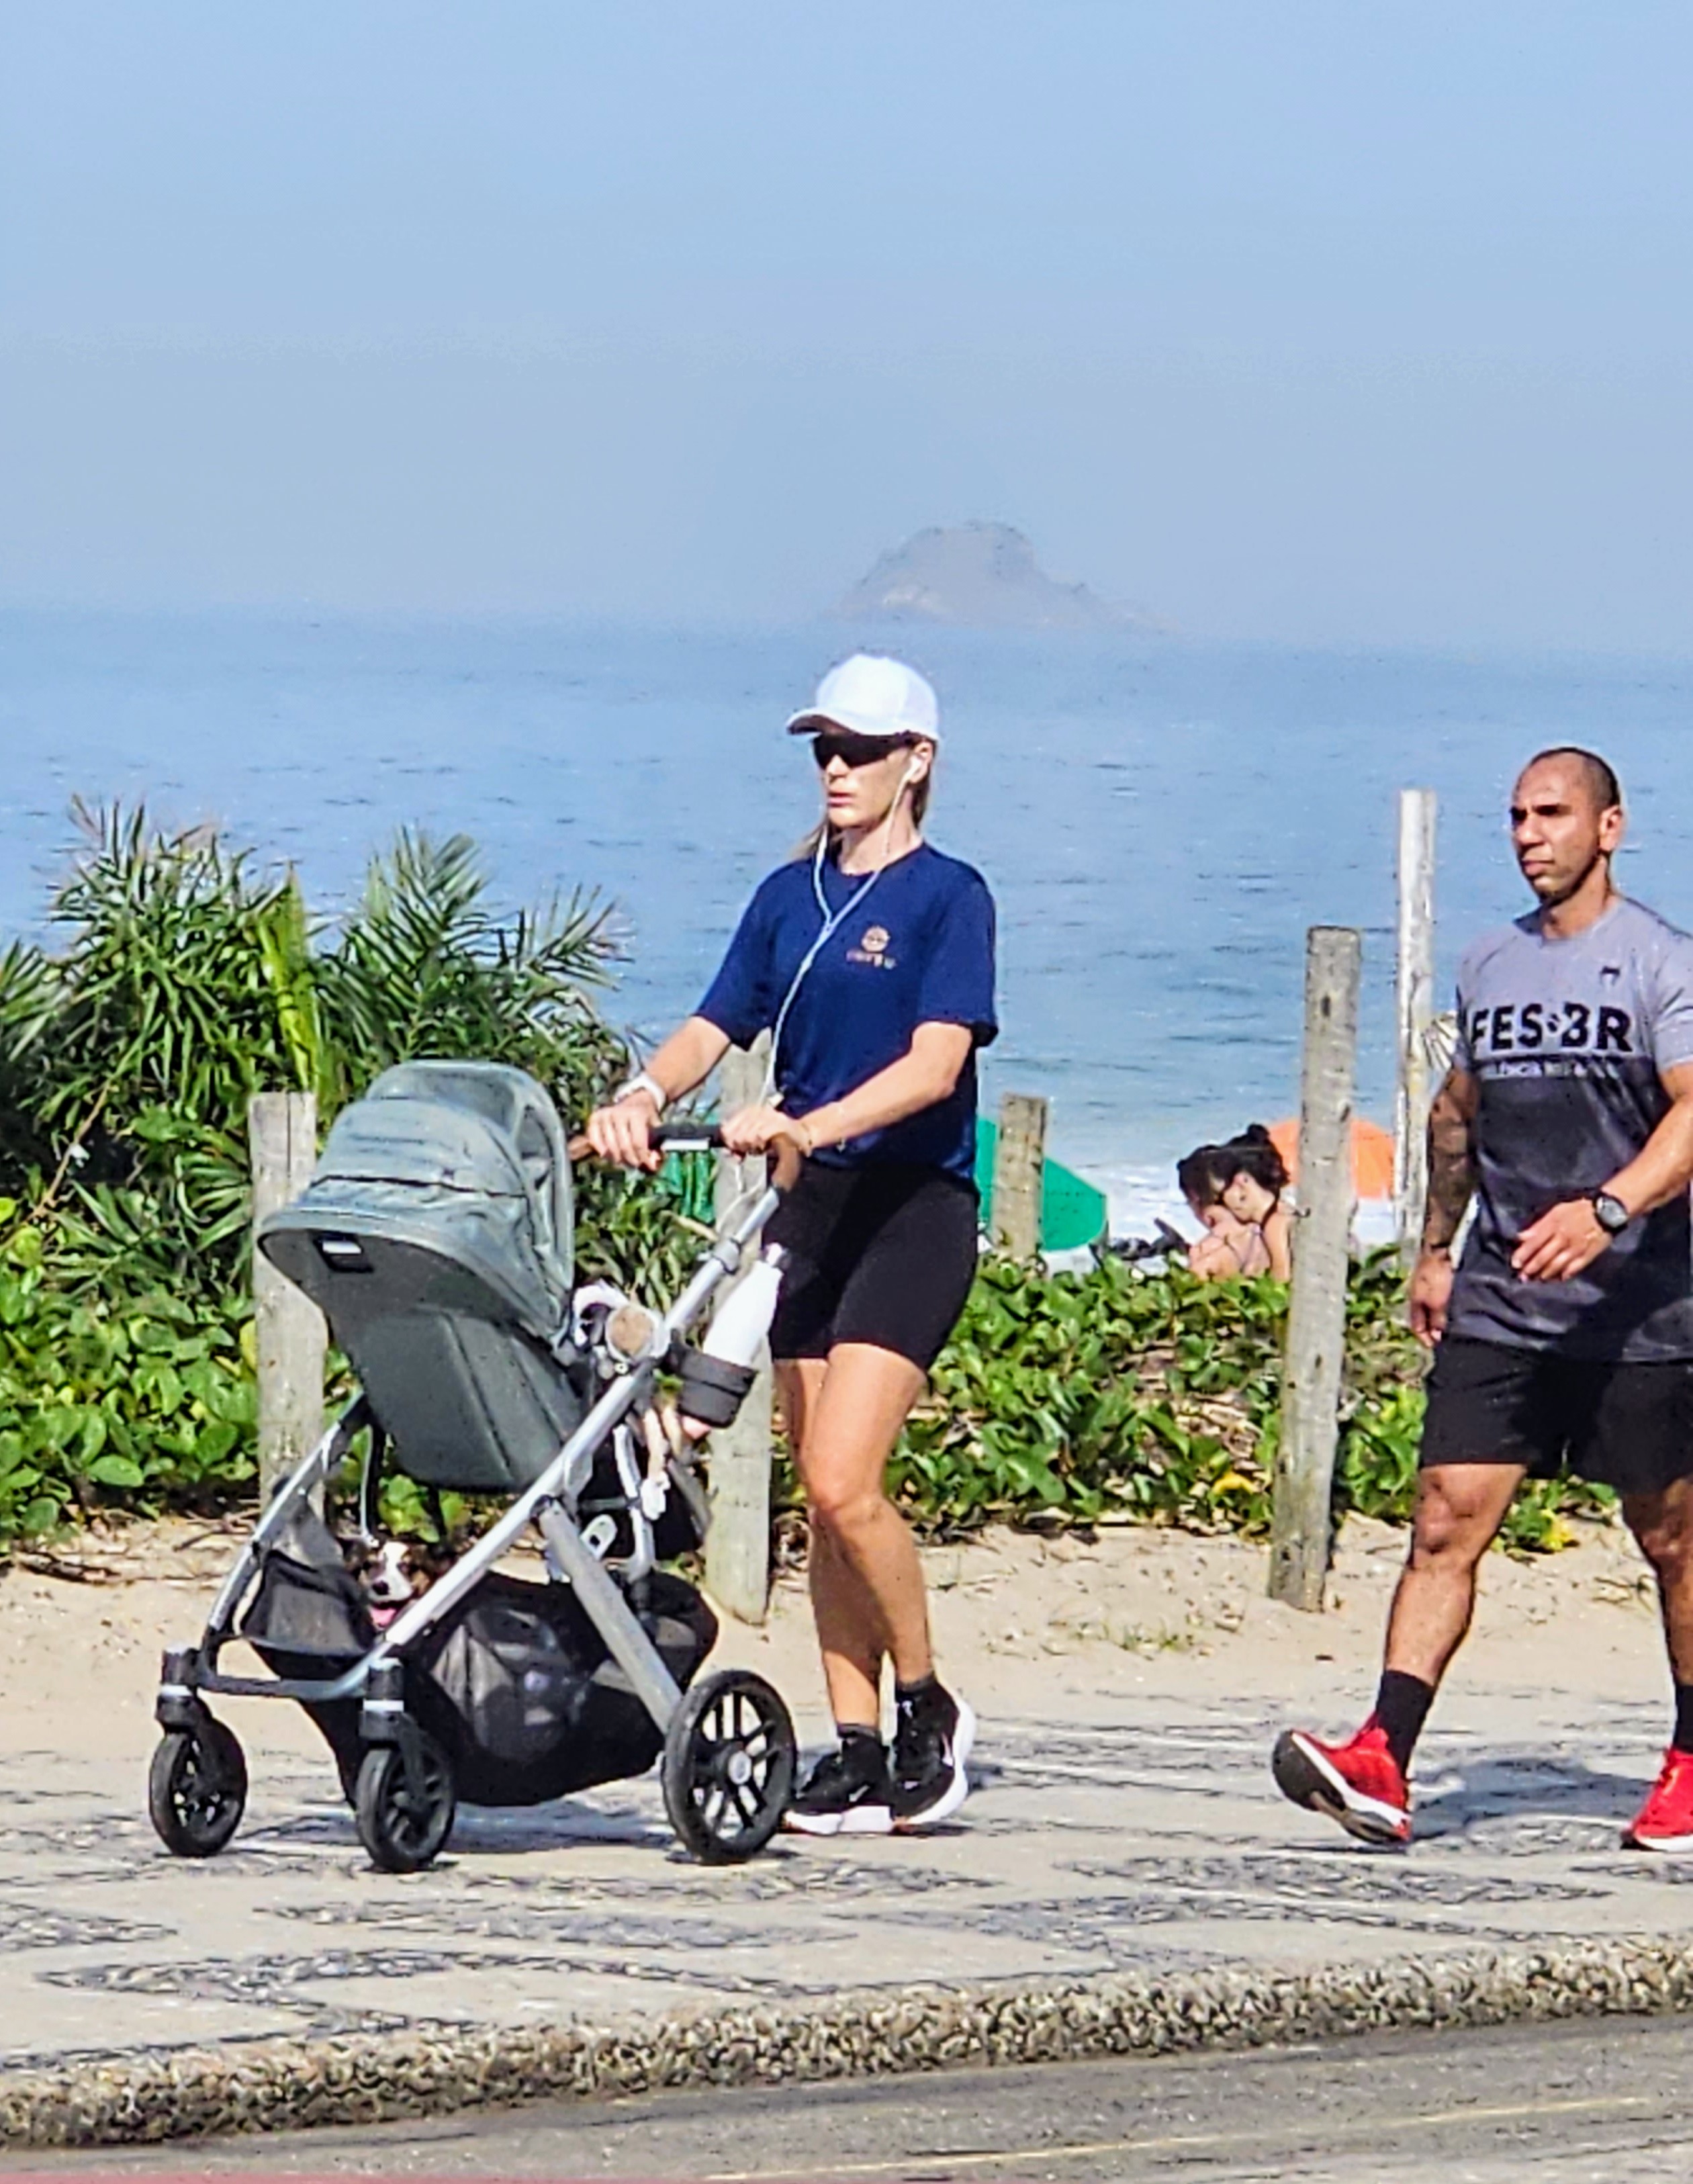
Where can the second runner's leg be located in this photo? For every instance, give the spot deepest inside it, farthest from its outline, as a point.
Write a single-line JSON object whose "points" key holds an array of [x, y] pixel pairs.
{"points": [[1363, 1783]]}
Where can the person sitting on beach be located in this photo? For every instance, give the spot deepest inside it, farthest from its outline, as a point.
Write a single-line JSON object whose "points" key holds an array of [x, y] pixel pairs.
{"points": [[1235, 1189]]}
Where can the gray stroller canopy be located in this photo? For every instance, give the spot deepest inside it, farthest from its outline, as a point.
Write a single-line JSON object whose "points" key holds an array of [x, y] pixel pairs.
{"points": [[465, 1158], [436, 1236]]}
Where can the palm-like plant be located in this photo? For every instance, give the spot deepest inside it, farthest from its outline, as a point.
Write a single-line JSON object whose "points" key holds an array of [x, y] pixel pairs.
{"points": [[424, 966], [191, 980]]}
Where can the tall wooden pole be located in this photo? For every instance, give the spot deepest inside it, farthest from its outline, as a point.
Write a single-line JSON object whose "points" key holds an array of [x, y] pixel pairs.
{"points": [[281, 1129], [1020, 1174], [1317, 1313], [1416, 809], [737, 1544]]}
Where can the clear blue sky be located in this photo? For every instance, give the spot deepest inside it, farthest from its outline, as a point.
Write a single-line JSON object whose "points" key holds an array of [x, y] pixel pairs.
{"points": [[1366, 322]]}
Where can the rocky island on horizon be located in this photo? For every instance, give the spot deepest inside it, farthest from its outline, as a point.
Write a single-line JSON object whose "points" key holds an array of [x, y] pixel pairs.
{"points": [[980, 575]]}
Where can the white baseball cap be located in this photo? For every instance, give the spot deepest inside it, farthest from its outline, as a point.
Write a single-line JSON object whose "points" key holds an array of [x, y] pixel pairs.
{"points": [[872, 696]]}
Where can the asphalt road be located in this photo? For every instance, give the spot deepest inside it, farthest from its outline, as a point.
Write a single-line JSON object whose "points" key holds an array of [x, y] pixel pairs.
{"points": [[1604, 2102]]}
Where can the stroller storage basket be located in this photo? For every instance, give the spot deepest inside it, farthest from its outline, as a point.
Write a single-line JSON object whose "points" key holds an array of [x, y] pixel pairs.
{"points": [[514, 1684]]}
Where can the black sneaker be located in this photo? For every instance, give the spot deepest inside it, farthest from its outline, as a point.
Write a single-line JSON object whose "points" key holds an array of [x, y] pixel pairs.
{"points": [[848, 1792], [932, 1740]]}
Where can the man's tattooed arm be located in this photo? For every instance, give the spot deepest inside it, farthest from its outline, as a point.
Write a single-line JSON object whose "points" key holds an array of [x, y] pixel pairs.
{"points": [[1452, 1160]]}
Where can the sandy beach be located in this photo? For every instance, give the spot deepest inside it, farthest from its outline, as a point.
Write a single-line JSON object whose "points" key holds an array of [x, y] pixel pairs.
{"points": [[1020, 1621]]}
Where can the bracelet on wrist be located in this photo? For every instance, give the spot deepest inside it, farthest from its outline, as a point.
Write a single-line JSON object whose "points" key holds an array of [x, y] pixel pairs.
{"points": [[641, 1082]]}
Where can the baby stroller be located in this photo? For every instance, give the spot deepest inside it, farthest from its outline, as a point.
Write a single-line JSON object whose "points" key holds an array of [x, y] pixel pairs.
{"points": [[436, 1237]]}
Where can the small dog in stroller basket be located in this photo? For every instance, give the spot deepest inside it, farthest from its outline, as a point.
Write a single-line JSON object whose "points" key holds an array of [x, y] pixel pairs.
{"points": [[394, 1573], [436, 1237]]}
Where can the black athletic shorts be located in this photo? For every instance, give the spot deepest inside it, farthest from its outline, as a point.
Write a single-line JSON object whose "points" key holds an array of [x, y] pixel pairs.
{"points": [[884, 1255], [1629, 1426]]}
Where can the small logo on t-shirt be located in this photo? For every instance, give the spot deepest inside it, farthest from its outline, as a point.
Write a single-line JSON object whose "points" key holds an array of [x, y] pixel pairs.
{"points": [[873, 947]]}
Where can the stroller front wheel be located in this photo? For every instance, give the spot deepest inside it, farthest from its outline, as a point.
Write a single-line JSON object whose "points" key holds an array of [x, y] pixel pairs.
{"points": [[196, 1788], [403, 1827], [729, 1766]]}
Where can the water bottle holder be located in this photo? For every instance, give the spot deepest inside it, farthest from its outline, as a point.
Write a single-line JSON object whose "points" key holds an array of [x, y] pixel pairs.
{"points": [[713, 1389]]}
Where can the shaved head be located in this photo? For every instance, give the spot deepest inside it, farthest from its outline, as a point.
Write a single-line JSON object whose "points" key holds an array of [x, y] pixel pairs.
{"points": [[1598, 777], [1565, 821]]}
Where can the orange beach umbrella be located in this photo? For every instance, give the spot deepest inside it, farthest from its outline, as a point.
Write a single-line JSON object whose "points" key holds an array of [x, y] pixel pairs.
{"points": [[1371, 1154]]}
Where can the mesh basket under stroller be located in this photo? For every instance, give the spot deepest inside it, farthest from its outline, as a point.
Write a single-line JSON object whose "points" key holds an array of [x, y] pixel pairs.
{"points": [[436, 1237]]}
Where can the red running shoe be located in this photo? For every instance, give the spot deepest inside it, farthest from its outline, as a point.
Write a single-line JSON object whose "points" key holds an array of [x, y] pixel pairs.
{"points": [[1359, 1784], [1665, 1821]]}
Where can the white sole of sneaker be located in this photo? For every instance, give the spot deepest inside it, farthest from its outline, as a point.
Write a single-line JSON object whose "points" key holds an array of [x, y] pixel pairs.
{"points": [[862, 1821], [958, 1789], [1670, 1843], [1305, 1777]]}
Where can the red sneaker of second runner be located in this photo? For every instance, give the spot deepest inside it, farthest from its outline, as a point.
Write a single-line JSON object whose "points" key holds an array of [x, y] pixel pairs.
{"points": [[1360, 1783], [1665, 1821]]}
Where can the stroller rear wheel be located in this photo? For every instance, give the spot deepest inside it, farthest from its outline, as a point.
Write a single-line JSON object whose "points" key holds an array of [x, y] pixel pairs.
{"points": [[404, 1829], [196, 1788], [729, 1766]]}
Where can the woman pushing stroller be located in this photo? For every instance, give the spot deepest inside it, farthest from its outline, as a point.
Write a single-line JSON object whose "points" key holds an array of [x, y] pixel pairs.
{"points": [[869, 959]]}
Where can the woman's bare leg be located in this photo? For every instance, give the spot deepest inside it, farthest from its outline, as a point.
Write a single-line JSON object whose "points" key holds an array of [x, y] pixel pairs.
{"points": [[844, 1417]]}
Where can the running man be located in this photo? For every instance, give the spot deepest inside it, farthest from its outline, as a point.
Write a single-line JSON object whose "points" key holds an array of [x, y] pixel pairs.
{"points": [[1566, 1335]]}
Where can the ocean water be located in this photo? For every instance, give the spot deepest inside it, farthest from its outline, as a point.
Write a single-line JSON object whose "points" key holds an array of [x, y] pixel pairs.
{"points": [[1160, 819]]}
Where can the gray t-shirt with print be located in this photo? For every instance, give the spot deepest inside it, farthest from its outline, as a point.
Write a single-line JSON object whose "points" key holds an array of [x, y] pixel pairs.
{"points": [[1566, 1039]]}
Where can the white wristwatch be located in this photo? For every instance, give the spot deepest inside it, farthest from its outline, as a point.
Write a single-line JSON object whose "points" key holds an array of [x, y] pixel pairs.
{"points": [[641, 1082]]}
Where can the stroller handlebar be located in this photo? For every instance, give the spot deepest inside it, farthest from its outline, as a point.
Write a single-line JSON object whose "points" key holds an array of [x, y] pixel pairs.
{"points": [[784, 1153]]}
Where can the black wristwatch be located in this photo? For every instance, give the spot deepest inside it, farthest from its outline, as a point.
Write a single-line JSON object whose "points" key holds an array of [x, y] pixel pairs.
{"points": [[1611, 1215]]}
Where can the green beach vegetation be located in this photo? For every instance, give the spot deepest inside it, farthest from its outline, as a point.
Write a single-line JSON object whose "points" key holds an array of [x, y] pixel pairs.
{"points": [[183, 976]]}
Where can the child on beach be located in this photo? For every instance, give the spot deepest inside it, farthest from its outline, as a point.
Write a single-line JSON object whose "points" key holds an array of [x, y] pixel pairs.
{"points": [[1235, 1189]]}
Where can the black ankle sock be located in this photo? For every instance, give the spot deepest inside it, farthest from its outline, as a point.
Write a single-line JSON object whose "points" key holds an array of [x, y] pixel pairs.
{"points": [[859, 1742], [913, 1694], [1402, 1704], [1683, 1738]]}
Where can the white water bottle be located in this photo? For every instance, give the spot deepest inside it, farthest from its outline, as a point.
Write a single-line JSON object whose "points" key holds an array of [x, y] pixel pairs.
{"points": [[742, 1321]]}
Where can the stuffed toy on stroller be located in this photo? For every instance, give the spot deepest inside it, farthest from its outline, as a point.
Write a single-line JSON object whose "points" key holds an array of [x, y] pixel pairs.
{"points": [[436, 1237]]}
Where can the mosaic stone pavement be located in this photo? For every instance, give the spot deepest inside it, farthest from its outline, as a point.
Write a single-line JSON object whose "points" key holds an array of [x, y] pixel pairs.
{"points": [[1149, 1840]]}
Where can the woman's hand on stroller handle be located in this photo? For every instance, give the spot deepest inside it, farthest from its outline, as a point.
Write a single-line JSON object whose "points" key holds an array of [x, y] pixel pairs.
{"points": [[625, 1131], [783, 1139], [782, 1145]]}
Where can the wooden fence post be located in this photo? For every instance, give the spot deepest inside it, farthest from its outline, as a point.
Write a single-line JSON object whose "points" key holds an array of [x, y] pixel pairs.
{"points": [[1416, 1013], [737, 1544], [1019, 1174], [1317, 1313], [281, 1129]]}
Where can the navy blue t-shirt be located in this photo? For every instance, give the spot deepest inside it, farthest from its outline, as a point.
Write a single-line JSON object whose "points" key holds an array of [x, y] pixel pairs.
{"points": [[918, 948]]}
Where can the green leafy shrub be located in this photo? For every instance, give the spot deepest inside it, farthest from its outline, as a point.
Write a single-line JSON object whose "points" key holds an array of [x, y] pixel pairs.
{"points": [[1117, 1395], [145, 1402]]}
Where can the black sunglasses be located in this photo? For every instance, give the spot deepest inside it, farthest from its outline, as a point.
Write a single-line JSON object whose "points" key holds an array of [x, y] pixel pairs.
{"points": [[832, 744]]}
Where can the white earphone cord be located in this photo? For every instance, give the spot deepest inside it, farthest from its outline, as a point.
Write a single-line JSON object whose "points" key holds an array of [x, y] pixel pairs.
{"points": [[832, 925]]}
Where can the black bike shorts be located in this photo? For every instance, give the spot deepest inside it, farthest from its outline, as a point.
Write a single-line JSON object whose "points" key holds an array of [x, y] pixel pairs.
{"points": [[1626, 1426], [883, 1254]]}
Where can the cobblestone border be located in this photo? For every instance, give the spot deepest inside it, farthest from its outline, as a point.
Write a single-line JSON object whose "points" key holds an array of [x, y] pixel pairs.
{"points": [[294, 2085]]}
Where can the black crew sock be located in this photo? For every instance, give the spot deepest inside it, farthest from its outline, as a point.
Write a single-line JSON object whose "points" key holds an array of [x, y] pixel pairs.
{"points": [[1402, 1704], [908, 1695], [861, 1747], [1683, 1739]]}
